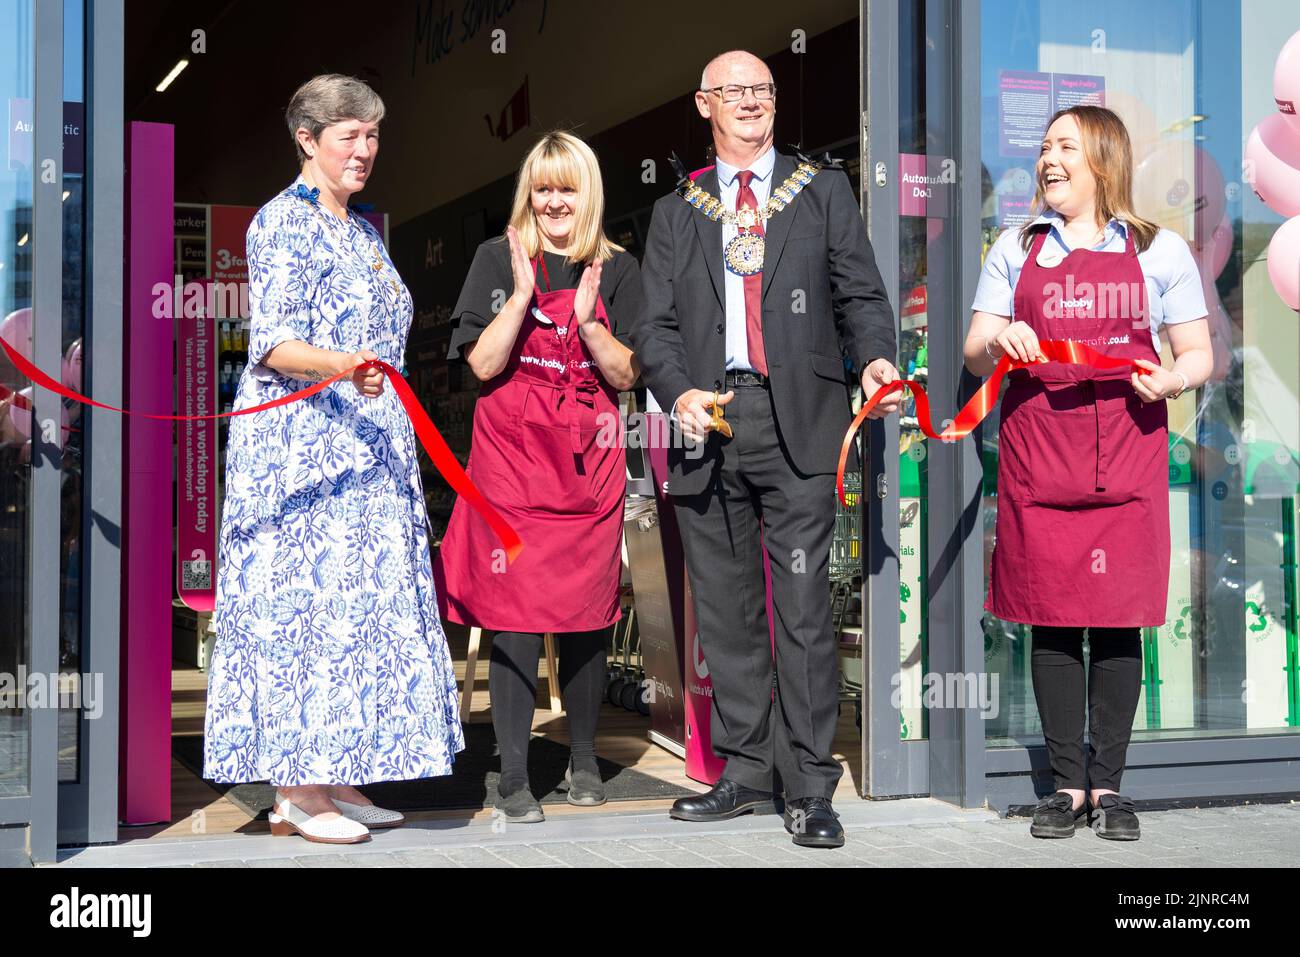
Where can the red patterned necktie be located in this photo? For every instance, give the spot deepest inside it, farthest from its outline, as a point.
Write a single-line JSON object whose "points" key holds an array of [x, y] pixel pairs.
{"points": [[753, 284]]}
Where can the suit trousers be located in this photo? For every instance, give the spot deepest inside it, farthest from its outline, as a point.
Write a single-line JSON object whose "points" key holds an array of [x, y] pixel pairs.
{"points": [[766, 715]]}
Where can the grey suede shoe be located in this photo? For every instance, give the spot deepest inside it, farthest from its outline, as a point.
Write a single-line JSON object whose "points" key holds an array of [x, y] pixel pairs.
{"points": [[520, 807], [585, 787]]}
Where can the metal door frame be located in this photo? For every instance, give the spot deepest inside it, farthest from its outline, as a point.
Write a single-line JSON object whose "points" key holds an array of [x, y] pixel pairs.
{"points": [[949, 763]]}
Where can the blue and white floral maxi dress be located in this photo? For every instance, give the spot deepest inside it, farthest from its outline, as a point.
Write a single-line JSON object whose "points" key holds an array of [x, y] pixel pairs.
{"points": [[330, 664]]}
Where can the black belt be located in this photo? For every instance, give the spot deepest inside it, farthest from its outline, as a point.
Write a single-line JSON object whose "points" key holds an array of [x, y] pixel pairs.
{"points": [[733, 379]]}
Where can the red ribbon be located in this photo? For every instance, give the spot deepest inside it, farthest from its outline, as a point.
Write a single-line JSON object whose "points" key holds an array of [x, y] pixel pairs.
{"points": [[430, 438], [981, 403]]}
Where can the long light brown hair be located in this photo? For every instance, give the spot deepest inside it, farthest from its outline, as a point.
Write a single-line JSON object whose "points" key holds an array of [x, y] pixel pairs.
{"points": [[1109, 154], [561, 159]]}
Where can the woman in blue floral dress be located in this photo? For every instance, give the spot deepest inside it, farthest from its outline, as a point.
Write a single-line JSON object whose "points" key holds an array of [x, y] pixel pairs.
{"points": [[331, 667]]}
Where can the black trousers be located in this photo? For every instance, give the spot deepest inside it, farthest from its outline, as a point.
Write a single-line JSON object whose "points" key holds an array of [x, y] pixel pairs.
{"points": [[1113, 685], [760, 726]]}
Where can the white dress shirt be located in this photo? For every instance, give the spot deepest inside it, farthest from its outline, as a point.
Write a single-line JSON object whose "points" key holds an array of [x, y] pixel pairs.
{"points": [[734, 287]]}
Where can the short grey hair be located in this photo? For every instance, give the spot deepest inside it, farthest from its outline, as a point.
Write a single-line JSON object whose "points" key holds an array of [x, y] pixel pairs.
{"points": [[328, 99]]}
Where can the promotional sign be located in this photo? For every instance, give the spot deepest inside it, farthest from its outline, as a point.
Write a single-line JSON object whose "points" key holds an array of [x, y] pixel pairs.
{"points": [[227, 230], [1015, 197], [196, 461], [913, 315], [21, 134], [1027, 99], [227, 259], [925, 184]]}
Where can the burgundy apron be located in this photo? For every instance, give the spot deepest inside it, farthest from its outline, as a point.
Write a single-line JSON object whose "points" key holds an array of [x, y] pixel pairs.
{"points": [[547, 452], [1082, 534]]}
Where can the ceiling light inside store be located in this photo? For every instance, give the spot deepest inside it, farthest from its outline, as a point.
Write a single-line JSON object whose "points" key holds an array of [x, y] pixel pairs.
{"points": [[66, 194], [167, 80], [23, 241]]}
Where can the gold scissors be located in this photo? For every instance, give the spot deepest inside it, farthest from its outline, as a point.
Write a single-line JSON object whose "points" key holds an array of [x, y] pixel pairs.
{"points": [[719, 424]]}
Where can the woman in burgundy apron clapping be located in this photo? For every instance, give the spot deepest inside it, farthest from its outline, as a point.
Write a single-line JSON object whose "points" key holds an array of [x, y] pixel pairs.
{"points": [[543, 322], [1082, 535]]}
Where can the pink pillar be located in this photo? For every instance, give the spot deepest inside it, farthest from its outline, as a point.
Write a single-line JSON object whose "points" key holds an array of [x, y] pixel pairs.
{"points": [[145, 755]]}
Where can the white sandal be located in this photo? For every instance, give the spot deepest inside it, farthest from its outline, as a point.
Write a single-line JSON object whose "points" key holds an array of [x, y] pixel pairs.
{"points": [[294, 820], [370, 815]]}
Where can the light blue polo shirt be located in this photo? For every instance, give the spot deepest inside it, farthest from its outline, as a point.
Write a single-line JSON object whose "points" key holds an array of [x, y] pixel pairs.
{"points": [[1173, 281]]}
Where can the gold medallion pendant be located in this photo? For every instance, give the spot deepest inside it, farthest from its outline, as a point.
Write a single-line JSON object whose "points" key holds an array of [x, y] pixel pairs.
{"points": [[745, 254]]}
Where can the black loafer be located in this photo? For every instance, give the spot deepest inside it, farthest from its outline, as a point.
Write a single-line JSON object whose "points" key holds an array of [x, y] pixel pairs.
{"points": [[813, 822], [1054, 816], [1115, 818], [586, 789], [520, 807], [726, 799]]}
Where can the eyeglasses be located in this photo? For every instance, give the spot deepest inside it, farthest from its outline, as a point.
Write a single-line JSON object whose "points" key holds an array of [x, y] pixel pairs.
{"points": [[733, 92]]}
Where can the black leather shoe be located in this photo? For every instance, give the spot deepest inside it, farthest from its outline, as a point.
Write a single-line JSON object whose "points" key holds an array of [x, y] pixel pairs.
{"points": [[1114, 818], [813, 822], [1054, 816], [726, 799]]}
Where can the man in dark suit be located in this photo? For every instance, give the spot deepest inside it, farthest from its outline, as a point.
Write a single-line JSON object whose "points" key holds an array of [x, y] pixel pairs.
{"points": [[762, 309]]}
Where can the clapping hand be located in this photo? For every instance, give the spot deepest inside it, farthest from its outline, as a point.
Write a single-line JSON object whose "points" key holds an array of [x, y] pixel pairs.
{"points": [[584, 303], [522, 268]]}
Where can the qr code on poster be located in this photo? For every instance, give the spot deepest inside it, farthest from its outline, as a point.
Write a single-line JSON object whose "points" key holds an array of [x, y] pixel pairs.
{"points": [[196, 576]]}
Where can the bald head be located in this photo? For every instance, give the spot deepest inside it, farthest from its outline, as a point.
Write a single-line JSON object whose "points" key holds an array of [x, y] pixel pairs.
{"points": [[727, 67]]}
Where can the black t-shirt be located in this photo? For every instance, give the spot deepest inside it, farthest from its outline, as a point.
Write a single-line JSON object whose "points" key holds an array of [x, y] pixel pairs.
{"points": [[620, 290]]}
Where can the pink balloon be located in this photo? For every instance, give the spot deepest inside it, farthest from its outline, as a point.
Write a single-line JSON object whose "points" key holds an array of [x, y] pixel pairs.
{"points": [[1143, 130], [16, 329], [1284, 262], [22, 417], [1272, 164], [1212, 255], [1180, 187], [1286, 82], [72, 366]]}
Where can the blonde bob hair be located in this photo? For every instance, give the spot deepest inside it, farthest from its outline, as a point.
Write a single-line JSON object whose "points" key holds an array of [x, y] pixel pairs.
{"points": [[561, 159], [1109, 154]]}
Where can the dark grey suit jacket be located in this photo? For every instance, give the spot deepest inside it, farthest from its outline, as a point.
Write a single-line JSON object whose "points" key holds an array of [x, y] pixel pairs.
{"points": [[818, 259]]}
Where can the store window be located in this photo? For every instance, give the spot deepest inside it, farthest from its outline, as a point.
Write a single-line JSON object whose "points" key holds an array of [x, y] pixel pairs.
{"points": [[16, 92], [1191, 80]]}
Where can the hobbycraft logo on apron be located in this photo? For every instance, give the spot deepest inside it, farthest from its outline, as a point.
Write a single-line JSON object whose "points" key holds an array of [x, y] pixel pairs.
{"points": [[1093, 300]]}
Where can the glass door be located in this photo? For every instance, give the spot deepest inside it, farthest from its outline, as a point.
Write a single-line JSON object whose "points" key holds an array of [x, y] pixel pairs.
{"points": [[926, 661], [16, 90], [59, 468]]}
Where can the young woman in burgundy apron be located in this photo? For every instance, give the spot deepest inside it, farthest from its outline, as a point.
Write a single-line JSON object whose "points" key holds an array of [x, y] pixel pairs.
{"points": [[1082, 534], [547, 453]]}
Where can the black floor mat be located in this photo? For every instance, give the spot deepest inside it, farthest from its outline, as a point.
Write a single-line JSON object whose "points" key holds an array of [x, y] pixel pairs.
{"points": [[472, 784]]}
